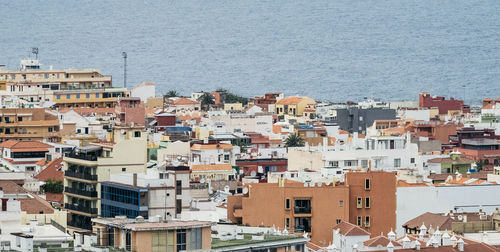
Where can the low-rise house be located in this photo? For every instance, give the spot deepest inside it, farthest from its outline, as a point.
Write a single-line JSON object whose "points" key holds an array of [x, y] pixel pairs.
{"points": [[24, 155], [454, 163], [153, 234]]}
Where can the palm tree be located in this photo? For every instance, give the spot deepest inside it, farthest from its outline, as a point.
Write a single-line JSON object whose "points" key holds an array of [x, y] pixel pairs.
{"points": [[206, 99], [172, 93], [294, 140]]}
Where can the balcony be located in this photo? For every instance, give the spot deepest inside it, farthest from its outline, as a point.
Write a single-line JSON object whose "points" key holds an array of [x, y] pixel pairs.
{"points": [[78, 175], [81, 208], [82, 156], [91, 194], [302, 210], [81, 225]]}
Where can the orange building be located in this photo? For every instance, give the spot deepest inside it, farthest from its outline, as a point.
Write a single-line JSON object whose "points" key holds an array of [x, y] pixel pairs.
{"points": [[317, 208]]}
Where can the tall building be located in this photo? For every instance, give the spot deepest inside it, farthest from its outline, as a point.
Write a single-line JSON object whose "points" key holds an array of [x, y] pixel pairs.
{"points": [[29, 124], [86, 167], [164, 192], [33, 84], [366, 198]]}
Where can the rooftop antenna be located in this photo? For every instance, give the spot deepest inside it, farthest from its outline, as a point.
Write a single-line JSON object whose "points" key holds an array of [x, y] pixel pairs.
{"points": [[124, 54], [34, 50]]}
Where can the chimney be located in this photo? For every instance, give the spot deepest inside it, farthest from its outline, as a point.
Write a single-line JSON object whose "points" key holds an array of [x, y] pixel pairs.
{"points": [[135, 179], [417, 245], [390, 247], [460, 244]]}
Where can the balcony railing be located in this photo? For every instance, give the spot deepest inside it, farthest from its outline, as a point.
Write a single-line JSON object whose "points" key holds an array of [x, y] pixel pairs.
{"points": [[80, 208], [302, 210], [81, 225], [82, 156], [80, 175], [77, 191]]}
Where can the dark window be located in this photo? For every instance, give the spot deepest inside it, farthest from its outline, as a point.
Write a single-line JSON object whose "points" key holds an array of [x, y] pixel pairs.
{"points": [[367, 203], [128, 244], [137, 134], [367, 184], [287, 204], [178, 206], [412, 160], [302, 206], [338, 221], [124, 169], [19, 118], [178, 187], [181, 239]]}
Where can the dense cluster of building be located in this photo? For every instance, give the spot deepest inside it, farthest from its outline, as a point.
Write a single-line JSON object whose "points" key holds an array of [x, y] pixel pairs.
{"points": [[88, 166]]}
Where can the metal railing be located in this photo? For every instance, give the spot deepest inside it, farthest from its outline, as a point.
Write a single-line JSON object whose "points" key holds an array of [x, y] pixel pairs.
{"points": [[81, 156], [80, 192], [80, 175], [80, 208], [302, 210]]}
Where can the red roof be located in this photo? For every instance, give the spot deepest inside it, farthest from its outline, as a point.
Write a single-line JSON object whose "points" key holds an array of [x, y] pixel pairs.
{"points": [[52, 171], [32, 204], [380, 240], [349, 229], [16, 145], [182, 101], [54, 197], [89, 111]]}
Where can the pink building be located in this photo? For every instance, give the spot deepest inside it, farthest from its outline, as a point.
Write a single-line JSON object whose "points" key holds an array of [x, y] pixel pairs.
{"points": [[130, 111]]}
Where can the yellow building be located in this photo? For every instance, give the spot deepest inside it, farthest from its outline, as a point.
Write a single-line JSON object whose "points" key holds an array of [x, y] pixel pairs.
{"points": [[87, 166], [34, 84], [93, 98], [294, 105], [233, 107]]}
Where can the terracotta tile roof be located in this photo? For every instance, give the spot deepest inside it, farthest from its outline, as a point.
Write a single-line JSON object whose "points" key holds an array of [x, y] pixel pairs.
{"points": [[444, 176], [19, 162], [10, 187], [16, 145], [41, 162], [36, 205], [211, 167], [428, 219], [292, 100], [51, 171], [380, 241], [211, 146], [32, 204], [182, 101], [349, 229], [54, 197]]}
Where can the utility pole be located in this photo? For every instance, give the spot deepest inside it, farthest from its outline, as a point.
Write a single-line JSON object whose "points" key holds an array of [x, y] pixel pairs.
{"points": [[124, 54]]}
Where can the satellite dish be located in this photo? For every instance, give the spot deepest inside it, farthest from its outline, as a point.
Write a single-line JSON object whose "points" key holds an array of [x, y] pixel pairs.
{"points": [[253, 174], [245, 190], [202, 180], [460, 217]]}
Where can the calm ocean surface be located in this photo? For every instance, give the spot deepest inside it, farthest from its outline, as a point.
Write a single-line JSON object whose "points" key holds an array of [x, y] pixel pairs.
{"points": [[334, 50]]}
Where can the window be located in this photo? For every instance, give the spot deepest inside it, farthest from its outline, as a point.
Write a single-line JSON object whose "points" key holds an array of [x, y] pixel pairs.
{"points": [[338, 221], [87, 96], [195, 239], [77, 96], [359, 202], [367, 202], [181, 239], [59, 97], [45, 86], [287, 204], [96, 95], [367, 184], [302, 206], [367, 221], [412, 160], [19, 118], [51, 129], [397, 162], [287, 223], [68, 96], [359, 221], [364, 163], [341, 203], [137, 134], [334, 163], [178, 187], [178, 206], [226, 157], [128, 243], [124, 169]]}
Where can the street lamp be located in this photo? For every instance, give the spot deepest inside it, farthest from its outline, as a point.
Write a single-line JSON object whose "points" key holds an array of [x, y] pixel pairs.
{"points": [[124, 54]]}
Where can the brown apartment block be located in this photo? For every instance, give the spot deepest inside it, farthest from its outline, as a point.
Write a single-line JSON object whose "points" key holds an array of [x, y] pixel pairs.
{"points": [[29, 124], [369, 197]]}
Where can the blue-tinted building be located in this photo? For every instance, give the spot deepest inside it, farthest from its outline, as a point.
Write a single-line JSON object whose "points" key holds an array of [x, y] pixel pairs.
{"points": [[124, 200]]}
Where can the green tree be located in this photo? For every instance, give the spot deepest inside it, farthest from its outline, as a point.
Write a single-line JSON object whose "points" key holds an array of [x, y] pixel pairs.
{"points": [[206, 99], [53, 186], [172, 93], [294, 140], [228, 97]]}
